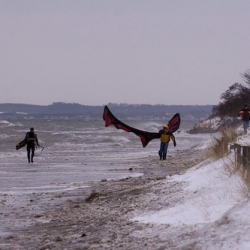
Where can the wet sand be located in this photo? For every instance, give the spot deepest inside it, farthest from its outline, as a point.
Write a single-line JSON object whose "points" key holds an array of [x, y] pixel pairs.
{"points": [[99, 217]]}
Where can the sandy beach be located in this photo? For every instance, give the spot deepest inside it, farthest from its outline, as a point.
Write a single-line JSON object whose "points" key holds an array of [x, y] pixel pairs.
{"points": [[100, 216]]}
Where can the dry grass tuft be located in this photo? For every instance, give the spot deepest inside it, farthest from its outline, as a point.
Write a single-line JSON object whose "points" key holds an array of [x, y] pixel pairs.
{"points": [[219, 147], [231, 164]]}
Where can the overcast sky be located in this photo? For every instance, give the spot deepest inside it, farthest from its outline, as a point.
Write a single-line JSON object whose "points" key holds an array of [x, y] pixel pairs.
{"points": [[94, 52]]}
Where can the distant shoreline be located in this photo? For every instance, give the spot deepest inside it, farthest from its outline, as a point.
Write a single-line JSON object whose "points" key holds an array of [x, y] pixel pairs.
{"points": [[84, 112]]}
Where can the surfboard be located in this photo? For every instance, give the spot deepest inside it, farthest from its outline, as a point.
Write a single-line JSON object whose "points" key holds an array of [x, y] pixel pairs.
{"points": [[21, 144]]}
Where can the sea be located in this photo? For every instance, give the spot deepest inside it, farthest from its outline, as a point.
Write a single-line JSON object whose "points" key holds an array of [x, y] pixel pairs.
{"points": [[75, 153]]}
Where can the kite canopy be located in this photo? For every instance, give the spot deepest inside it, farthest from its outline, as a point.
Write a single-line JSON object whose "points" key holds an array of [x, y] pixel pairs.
{"points": [[145, 136]]}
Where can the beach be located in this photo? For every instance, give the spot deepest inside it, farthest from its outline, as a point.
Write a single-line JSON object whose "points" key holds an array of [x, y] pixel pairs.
{"points": [[97, 188], [98, 217], [187, 202]]}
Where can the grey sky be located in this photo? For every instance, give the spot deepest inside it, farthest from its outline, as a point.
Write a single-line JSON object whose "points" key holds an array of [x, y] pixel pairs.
{"points": [[123, 51]]}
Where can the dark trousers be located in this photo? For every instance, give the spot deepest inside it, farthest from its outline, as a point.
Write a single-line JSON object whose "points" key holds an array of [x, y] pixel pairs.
{"points": [[245, 126], [163, 150], [30, 149]]}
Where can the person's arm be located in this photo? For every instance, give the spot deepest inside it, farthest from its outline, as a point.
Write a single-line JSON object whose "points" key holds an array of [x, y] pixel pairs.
{"points": [[240, 113], [37, 141], [173, 139]]}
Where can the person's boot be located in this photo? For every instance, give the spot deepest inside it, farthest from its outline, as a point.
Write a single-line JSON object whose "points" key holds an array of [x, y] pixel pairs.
{"points": [[31, 159], [28, 159]]}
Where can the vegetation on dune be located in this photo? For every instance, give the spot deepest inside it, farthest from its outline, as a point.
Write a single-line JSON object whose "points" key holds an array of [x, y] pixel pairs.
{"points": [[219, 146], [233, 99], [225, 114]]}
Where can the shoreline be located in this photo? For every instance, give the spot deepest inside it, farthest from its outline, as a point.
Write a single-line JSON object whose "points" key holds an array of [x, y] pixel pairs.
{"points": [[100, 217]]}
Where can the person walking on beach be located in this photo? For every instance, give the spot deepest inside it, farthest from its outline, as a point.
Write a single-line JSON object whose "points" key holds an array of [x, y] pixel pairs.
{"points": [[32, 142], [166, 135], [244, 113]]}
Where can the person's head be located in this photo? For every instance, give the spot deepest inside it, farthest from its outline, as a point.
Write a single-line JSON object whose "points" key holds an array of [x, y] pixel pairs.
{"points": [[245, 106], [32, 130], [165, 127]]}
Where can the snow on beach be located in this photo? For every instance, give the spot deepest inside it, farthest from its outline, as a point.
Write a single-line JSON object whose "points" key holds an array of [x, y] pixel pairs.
{"points": [[210, 196]]}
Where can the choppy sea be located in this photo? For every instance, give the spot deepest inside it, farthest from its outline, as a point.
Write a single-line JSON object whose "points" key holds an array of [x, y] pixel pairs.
{"points": [[76, 152]]}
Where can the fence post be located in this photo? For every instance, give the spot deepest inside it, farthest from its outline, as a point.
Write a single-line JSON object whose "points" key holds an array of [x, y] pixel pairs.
{"points": [[238, 153], [244, 154], [248, 154], [242, 158]]}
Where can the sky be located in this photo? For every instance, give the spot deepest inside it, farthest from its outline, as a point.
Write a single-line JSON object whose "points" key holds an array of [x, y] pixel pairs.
{"points": [[95, 52]]}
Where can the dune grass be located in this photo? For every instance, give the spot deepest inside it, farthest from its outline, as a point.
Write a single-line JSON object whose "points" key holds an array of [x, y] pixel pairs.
{"points": [[220, 143], [235, 163]]}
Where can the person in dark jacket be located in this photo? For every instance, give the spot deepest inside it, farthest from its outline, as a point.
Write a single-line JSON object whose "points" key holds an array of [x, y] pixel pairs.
{"points": [[244, 113], [32, 142], [166, 135]]}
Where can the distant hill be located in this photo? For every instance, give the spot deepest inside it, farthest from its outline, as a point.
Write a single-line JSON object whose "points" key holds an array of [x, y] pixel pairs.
{"points": [[61, 110]]}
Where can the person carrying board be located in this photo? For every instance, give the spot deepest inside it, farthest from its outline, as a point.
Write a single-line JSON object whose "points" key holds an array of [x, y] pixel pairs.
{"points": [[32, 142]]}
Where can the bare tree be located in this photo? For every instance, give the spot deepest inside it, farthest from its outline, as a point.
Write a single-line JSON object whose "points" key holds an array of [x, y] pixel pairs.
{"points": [[246, 77]]}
